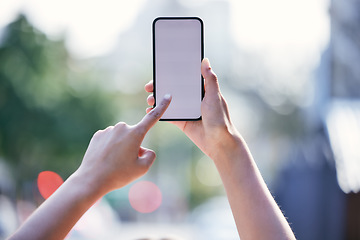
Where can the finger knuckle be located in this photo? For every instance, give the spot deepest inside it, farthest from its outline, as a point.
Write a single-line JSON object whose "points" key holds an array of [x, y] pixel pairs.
{"points": [[139, 131], [120, 125], [98, 133], [107, 129], [154, 113]]}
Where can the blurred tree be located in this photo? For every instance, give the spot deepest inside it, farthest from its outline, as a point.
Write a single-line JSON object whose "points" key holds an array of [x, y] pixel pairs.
{"points": [[50, 104]]}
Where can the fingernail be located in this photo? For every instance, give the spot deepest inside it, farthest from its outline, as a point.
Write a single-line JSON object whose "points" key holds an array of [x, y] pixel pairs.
{"points": [[167, 96], [207, 62]]}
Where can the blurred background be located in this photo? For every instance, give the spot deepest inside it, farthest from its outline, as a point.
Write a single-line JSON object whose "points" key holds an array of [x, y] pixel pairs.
{"points": [[288, 69]]}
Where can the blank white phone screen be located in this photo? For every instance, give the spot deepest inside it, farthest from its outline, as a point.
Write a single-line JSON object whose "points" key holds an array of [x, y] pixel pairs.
{"points": [[178, 53]]}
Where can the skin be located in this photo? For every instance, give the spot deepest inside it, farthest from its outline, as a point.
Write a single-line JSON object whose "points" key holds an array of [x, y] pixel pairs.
{"points": [[115, 158], [255, 211]]}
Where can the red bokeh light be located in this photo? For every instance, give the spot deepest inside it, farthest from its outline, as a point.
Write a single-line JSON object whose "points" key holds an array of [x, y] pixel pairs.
{"points": [[48, 182], [145, 197]]}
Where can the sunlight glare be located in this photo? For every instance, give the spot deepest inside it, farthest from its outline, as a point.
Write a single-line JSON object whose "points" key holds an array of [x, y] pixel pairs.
{"points": [[280, 23], [8, 11], [91, 27]]}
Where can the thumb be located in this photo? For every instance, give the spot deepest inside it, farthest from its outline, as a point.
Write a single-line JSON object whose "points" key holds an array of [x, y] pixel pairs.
{"points": [[146, 157], [211, 80]]}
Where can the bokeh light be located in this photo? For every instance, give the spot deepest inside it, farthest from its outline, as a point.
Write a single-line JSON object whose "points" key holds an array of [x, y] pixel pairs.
{"points": [[145, 197], [207, 173], [48, 182]]}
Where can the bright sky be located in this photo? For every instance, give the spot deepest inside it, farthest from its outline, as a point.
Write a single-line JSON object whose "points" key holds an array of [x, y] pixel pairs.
{"points": [[280, 22], [279, 25], [282, 29], [82, 20]]}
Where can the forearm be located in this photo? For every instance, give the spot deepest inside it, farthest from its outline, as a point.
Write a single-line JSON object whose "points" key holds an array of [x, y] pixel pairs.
{"points": [[58, 214], [114, 158], [255, 211]]}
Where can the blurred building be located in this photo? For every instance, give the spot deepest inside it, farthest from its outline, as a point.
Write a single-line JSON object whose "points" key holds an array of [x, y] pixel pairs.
{"points": [[319, 189], [343, 118]]}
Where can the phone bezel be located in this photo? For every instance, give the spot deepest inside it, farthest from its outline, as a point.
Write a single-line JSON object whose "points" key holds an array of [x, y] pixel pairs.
{"points": [[154, 57]]}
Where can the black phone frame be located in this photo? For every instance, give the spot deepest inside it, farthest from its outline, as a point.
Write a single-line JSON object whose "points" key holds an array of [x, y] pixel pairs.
{"points": [[202, 57]]}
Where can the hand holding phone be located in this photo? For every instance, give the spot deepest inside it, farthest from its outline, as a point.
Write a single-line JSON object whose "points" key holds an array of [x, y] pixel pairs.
{"points": [[177, 55]]}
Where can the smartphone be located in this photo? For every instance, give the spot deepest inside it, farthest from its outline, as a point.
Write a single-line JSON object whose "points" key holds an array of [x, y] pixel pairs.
{"points": [[178, 49]]}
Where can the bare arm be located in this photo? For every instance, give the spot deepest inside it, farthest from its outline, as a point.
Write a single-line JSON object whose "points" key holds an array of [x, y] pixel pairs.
{"points": [[113, 159], [256, 214]]}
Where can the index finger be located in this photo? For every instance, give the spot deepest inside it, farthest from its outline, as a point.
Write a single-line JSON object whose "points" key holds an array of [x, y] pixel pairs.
{"points": [[154, 115]]}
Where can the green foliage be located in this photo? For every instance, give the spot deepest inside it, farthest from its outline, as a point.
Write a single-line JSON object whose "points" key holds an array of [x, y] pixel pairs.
{"points": [[50, 104]]}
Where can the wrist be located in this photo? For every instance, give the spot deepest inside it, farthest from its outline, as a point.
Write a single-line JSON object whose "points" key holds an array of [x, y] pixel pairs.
{"points": [[224, 143], [231, 152], [86, 186]]}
